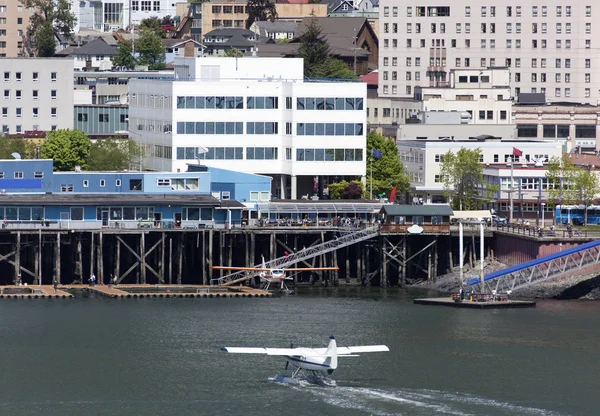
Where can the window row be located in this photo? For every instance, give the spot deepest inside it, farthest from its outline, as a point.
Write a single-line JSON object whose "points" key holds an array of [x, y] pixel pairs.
{"points": [[330, 103], [124, 213], [149, 100], [35, 94], [22, 213], [19, 128], [210, 127], [196, 214], [329, 129], [210, 102], [491, 43], [227, 153], [581, 131], [518, 11], [146, 5], [35, 112], [35, 76], [329, 155]]}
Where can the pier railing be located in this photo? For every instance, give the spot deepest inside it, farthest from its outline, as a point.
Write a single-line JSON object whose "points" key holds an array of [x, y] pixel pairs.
{"points": [[341, 240]]}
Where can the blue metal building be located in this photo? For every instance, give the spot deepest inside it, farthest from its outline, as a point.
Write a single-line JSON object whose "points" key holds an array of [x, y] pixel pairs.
{"points": [[32, 194]]}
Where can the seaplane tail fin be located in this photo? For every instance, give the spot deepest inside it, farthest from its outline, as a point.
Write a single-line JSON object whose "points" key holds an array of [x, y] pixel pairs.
{"points": [[264, 265], [331, 353]]}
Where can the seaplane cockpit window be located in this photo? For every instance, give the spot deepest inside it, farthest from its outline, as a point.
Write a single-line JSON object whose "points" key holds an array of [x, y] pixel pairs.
{"points": [[277, 271]]}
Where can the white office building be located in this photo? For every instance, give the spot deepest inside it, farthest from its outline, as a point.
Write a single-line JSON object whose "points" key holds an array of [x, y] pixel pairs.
{"points": [[254, 115], [423, 158], [111, 15], [37, 94], [550, 47]]}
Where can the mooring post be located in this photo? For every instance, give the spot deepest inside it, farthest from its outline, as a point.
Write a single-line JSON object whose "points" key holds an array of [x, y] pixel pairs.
{"points": [[210, 251], [180, 262], [57, 259], [18, 258], [100, 259], [348, 264], [143, 257], [162, 257], [205, 273], [40, 249], [272, 246], [91, 254], [118, 259], [435, 259], [78, 260], [170, 260], [36, 266], [252, 247], [404, 261]]}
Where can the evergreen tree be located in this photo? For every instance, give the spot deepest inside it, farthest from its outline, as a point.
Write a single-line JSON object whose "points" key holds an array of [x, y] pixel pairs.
{"points": [[314, 49], [125, 57], [152, 50], [68, 148], [260, 10], [49, 16]]}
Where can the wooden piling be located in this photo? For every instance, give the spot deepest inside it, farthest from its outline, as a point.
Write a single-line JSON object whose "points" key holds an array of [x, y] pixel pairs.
{"points": [[57, 259], [143, 257]]}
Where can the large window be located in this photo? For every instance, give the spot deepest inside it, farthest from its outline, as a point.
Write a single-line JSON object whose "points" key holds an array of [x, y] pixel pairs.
{"points": [[210, 127], [262, 103], [261, 153], [527, 130], [261, 127], [330, 103], [329, 155], [76, 213], [224, 153], [210, 102], [329, 129], [585, 132]]}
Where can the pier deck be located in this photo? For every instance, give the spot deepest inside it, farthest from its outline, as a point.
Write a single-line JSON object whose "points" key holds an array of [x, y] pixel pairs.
{"points": [[174, 291]]}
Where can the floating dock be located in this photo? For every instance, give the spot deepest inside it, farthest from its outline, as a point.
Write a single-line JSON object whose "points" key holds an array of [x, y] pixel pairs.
{"points": [[480, 304], [132, 291]]}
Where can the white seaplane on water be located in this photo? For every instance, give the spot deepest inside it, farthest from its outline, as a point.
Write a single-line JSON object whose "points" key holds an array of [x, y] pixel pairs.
{"points": [[269, 276], [309, 364]]}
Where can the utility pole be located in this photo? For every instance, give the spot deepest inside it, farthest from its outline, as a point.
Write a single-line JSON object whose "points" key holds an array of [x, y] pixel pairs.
{"points": [[512, 171]]}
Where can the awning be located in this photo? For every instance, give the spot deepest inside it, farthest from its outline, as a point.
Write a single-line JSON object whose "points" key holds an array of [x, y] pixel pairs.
{"points": [[336, 208], [472, 214]]}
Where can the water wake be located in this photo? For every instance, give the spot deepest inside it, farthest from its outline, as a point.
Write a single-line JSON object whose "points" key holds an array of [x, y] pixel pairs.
{"points": [[417, 402]]}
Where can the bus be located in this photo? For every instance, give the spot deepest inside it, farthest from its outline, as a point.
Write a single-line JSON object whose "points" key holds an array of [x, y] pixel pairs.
{"points": [[575, 214]]}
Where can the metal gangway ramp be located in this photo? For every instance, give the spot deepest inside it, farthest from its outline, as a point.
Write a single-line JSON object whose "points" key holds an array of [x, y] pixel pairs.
{"points": [[543, 268], [344, 239]]}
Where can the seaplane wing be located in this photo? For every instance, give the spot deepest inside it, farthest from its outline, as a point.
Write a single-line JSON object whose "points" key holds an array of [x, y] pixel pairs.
{"points": [[305, 352], [309, 269], [250, 269]]}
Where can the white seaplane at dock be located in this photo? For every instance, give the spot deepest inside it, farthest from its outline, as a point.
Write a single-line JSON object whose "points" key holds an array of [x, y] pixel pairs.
{"points": [[311, 365], [272, 277]]}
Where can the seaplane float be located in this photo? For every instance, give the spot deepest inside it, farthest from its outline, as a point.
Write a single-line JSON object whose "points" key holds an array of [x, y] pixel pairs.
{"points": [[271, 278], [309, 365]]}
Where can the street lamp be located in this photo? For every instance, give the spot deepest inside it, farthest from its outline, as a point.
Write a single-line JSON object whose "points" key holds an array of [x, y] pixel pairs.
{"points": [[543, 208]]}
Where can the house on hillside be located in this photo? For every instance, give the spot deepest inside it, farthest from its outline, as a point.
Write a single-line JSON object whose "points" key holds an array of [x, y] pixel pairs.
{"points": [[274, 30], [94, 55], [219, 41]]}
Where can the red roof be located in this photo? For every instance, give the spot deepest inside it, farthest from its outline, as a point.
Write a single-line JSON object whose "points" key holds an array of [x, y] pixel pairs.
{"points": [[372, 78]]}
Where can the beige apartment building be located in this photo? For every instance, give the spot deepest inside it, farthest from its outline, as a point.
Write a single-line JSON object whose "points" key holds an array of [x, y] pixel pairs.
{"points": [[14, 20], [232, 13], [549, 46]]}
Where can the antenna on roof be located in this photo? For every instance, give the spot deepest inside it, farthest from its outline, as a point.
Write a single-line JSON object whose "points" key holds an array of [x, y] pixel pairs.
{"points": [[16, 155]]}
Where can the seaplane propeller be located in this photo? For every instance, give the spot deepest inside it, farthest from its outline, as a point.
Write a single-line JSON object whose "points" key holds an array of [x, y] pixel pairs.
{"points": [[309, 364]]}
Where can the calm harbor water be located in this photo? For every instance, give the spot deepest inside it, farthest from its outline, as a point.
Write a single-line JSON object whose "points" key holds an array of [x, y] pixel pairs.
{"points": [[161, 356]]}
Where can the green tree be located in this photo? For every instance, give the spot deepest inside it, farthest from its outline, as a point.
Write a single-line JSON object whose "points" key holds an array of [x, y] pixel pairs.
{"points": [[151, 50], [124, 59], [50, 16], [112, 154], [333, 68], [153, 24], [313, 48], [462, 176], [68, 148], [336, 188], [10, 145], [260, 10], [387, 171], [352, 191], [231, 53], [560, 175], [587, 187]]}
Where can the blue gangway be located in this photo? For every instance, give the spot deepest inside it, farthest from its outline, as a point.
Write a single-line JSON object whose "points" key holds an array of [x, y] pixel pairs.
{"points": [[543, 268]]}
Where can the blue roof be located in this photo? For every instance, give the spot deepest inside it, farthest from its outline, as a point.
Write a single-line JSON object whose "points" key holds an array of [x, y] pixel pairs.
{"points": [[535, 262]]}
